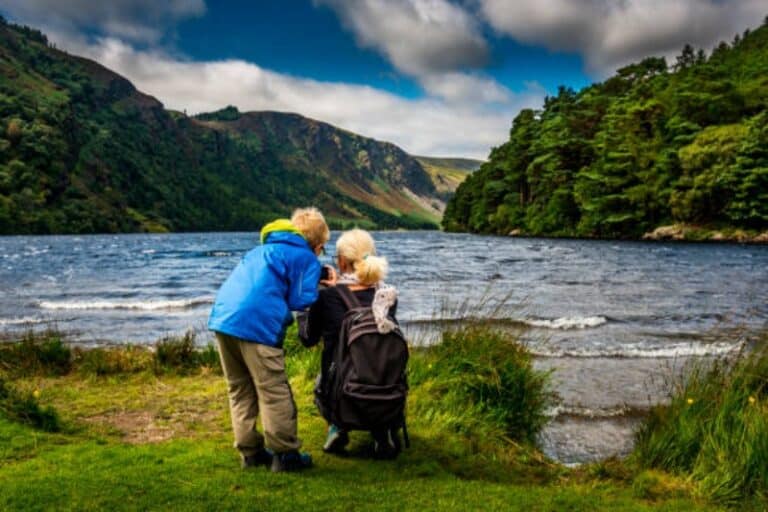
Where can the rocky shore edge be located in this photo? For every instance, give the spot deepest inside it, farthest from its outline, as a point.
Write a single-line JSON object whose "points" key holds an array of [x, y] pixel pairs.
{"points": [[687, 232]]}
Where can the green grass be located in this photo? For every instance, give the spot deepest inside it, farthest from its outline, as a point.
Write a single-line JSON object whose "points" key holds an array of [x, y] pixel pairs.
{"points": [[24, 408], [715, 429], [143, 439]]}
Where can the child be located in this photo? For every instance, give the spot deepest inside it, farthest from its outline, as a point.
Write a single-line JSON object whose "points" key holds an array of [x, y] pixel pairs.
{"points": [[250, 316]]}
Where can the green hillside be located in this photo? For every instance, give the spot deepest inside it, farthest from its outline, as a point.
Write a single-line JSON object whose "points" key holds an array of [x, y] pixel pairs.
{"points": [[448, 173], [82, 151], [649, 147]]}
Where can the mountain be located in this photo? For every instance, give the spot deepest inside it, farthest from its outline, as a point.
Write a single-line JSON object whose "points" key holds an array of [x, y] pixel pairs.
{"points": [[448, 173], [363, 169], [684, 149], [83, 151]]}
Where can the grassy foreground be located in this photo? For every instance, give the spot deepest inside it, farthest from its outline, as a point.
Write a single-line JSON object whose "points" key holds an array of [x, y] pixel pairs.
{"points": [[134, 429]]}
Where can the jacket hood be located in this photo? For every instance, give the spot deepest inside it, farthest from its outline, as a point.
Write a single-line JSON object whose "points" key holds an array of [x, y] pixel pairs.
{"points": [[279, 226]]}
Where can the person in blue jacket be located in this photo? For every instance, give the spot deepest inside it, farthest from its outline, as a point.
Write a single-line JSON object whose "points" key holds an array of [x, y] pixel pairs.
{"points": [[250, 315]]}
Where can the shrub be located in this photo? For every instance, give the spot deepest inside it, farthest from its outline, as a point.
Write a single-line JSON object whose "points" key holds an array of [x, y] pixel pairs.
{"points": [[24, 408], [715, 429]]}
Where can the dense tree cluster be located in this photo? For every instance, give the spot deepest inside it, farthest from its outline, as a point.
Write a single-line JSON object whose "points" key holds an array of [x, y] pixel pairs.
{"points": [[82, 151], [648, 147]]}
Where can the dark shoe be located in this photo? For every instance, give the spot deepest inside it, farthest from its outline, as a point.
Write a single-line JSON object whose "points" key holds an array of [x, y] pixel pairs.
{"points": [[386, 444], [260, 458], [291, 461], [336, 440]]}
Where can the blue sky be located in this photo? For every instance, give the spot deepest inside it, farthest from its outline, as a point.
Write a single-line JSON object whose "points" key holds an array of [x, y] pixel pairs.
{"points": [[437, 77], [299, 38]]}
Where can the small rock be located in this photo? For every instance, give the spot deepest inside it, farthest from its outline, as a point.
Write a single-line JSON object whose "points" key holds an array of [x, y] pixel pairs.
{"points": [[673, 232]]}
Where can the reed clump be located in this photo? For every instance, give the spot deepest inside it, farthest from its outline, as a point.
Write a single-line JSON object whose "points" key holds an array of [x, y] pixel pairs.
{"points": [[480, 382], [47, 354], [103, 361], [714, 429], [36, 353], [182, 355]]}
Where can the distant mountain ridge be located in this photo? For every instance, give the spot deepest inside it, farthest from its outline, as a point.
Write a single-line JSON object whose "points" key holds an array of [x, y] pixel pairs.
{"points": [[448, 173], [362, 168], [460, 164], [83, 151]]}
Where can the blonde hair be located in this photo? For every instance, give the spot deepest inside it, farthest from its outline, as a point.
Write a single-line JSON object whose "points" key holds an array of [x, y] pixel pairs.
{"points": [[312, 225], [357, 247]]}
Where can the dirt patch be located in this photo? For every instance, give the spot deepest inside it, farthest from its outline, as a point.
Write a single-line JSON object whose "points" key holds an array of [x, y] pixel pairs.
{"points": [[135, 427], [142, 427]]}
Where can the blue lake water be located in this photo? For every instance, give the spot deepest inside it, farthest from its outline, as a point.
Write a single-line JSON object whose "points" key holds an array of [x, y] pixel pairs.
{"points": [[613, 319]]}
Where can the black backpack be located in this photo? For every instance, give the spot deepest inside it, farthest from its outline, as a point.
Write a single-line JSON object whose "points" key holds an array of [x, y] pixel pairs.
{"points": [[366, 384]]}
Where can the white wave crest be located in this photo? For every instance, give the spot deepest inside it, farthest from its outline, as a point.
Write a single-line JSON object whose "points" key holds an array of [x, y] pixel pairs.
{"points": [[640, 352], [568, 322], [587, 412], [145, 305], [27, 320]]}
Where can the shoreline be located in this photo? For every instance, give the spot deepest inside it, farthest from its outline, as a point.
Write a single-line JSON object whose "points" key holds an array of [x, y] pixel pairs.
{"points": [[682, 234], [678, 233]]}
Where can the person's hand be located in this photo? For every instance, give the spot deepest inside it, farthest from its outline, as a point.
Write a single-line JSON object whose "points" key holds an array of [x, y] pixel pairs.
{"points": [[333, 277]]}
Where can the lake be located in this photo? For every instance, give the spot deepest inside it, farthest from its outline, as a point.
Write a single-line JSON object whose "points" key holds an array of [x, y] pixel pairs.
{"points": [[614, 320]]}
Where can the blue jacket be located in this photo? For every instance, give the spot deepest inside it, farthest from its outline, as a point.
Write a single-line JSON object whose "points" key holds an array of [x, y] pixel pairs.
{"points": [[273, 279]]}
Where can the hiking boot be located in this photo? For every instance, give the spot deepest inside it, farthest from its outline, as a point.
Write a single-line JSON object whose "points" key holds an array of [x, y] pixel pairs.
{"points": [[291, 461], [336, 440], [261, 458]]}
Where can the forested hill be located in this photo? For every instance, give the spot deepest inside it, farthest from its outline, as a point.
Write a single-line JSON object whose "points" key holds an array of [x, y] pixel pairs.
{"points": [[652, 146], [82, 151]]}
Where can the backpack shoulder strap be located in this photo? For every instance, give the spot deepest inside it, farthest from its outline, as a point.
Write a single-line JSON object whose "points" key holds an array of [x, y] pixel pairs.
{"points": [[347, 296]]}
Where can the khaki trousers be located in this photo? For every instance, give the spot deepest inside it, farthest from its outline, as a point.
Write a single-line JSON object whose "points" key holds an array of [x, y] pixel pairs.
{"points": [[257, 383]]}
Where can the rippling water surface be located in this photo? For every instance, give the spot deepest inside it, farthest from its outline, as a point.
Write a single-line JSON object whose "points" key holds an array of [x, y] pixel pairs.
{"points": [[614, 319]]}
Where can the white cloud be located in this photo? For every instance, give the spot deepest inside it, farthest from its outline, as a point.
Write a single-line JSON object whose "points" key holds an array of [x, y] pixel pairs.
{"points": [[417, 36], [612, 33], [466, 88], [430, 40], [429, 126], [137, 20]]}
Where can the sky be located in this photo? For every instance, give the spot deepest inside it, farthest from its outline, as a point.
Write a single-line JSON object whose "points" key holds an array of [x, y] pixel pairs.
{"points": [[436, 77]]}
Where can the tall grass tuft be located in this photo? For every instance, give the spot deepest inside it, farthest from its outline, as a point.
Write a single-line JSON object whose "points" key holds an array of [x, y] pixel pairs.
{"points": [[112, 361], [208, 357], [483, 384], [37, 353], [176, 353], [714, 429], [181, 354], [24, 408]]}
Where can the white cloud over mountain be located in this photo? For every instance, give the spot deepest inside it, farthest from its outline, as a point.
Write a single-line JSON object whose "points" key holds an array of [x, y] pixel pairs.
{"points": [[611, 33], [445, 45], [429, 126]]}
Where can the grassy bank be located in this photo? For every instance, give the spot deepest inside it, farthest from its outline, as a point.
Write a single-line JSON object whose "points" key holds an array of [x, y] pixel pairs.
{"points": [[138, 429], [715, 430]]}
